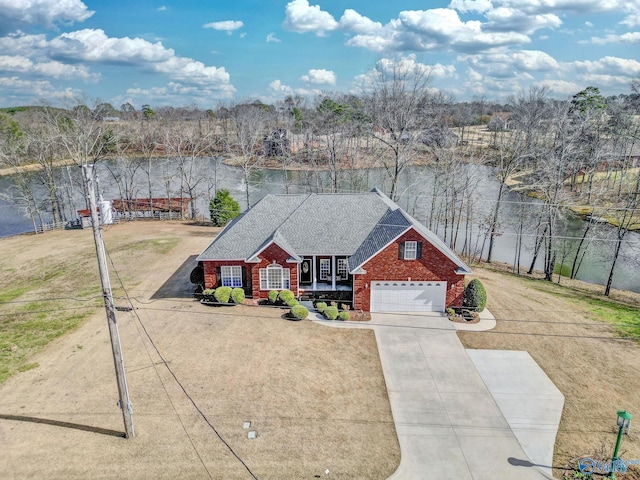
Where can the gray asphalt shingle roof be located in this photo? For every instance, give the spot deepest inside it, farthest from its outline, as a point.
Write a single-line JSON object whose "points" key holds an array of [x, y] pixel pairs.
{"points": [[357, 225]]}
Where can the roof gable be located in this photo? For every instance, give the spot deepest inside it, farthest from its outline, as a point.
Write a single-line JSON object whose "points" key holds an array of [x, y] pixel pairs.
{"points": [[357, 225], [391, 226]]}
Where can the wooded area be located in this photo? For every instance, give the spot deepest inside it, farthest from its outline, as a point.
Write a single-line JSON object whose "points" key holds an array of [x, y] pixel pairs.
{"points": [[580, 153]]}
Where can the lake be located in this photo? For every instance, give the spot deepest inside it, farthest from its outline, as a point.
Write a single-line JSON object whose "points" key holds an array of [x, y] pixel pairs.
{"points": [[416, 189]]}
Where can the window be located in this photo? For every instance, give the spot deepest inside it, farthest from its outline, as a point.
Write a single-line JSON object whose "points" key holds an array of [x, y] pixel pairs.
{"points": [[274, 277], [410, 250], [231, 276], [325, 269], [342, 269]]}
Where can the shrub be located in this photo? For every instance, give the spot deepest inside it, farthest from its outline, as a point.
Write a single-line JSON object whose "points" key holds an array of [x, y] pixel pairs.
{"points": [[237, 295], [300, 312], [222, 294], [451, 312], [273, 296], [207, 295], [344, 315], [292, 303], [223, 208], [331, 313], [475, 296], [320, 306], [285, 296]]}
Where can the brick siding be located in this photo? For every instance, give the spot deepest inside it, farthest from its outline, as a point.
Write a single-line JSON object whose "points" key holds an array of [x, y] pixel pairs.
{"points": [[433, 265]]}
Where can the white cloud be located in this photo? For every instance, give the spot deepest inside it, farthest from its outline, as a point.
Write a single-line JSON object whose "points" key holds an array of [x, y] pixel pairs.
{"points": [[173, 93], [434, 30], [94, 46], [271, 38], [506, 19], [352, 21], [406, 64], [632, 20], [301, 17], [442, 28], [15, 14], [226, 25], [505, 63], [163, 8], [194, 72], [279, 88], [608, 66], [630, 37], [52, 69], [22, 44], [479, 6], [26, 91], [319, 77], [560, 87]]}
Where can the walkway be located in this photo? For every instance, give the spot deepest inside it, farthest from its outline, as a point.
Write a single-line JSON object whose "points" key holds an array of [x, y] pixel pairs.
{"points": [[448, 423]]}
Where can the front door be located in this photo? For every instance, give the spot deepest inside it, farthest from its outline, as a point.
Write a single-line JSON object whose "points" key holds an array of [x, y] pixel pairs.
{"points": [[306, 276]]}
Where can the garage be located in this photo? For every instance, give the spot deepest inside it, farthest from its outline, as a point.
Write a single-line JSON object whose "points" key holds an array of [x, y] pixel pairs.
{"points": [[409, 296]]}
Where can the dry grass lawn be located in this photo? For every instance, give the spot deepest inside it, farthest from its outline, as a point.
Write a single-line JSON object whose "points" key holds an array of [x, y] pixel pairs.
{"points": [[315, 396], [596, 372]]}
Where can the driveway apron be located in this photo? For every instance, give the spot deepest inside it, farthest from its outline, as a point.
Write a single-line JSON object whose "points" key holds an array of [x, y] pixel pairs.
{"points": [[447, 422]]}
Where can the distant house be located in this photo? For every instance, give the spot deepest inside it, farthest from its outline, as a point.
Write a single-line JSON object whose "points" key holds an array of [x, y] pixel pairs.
{"points": [[499, 122], [277, 144], [360, 248], [142, 207]]}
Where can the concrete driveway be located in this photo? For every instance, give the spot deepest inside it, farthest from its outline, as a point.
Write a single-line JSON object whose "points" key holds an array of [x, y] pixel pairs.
{"points": [[448, 423]]}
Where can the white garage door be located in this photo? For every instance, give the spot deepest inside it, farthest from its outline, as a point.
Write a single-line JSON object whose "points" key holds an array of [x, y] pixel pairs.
{"points": [[395, 296]]}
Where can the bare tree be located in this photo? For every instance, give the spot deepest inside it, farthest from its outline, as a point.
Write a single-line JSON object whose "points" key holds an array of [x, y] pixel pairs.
{"points": [[187, 143], [398, 106], [249, 127], [627, 216]]}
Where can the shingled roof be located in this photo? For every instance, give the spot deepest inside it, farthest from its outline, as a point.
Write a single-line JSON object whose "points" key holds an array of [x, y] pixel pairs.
{"points": [[356, 225]]}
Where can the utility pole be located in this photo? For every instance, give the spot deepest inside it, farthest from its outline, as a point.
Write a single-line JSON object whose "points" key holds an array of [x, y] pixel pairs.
{"points": [[124, 402]]}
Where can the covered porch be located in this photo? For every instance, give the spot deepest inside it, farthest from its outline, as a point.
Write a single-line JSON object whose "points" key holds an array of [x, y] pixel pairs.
{"points": [[325, 277]]}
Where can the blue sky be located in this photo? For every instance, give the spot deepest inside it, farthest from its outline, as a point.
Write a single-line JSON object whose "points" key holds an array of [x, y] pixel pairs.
{"points": [[183, 52]]}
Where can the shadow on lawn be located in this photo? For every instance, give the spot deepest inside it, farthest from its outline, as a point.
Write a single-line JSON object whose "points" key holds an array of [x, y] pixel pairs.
{"points": [[178, 285], [57, 423]]}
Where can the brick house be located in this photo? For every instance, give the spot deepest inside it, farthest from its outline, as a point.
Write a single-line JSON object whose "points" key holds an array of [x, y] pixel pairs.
{"points": [[360, 248]]}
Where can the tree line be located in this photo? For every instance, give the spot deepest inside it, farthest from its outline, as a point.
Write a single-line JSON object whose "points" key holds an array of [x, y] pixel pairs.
{"points": [[577, 155]]}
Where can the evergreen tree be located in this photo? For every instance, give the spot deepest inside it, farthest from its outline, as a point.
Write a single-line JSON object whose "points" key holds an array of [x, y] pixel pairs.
{"points": [[223, 208]]}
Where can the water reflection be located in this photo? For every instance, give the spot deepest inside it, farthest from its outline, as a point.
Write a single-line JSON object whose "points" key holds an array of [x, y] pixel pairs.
{"points": [[419, 189]]}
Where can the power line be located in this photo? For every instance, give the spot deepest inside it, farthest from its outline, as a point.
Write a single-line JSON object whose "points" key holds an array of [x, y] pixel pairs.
{"points": [[427, 327], [182, 387]]}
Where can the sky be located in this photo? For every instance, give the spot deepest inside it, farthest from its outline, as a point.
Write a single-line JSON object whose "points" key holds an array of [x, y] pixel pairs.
{"points": [[213, 52]]}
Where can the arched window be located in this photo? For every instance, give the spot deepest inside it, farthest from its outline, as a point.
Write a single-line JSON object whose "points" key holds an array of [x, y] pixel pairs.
{"points": [[274, 277]]}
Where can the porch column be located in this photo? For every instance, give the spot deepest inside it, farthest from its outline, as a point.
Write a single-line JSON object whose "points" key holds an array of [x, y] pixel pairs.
{"points": [[314, 285], [333, 272]]}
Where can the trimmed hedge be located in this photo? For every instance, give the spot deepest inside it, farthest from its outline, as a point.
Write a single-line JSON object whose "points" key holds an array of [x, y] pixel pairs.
{"points": [[320, 306], [292, 303], [475, 296], [344, 315], [222, 294], [273, 296], [237, 295], [300, 312], [331, 313], [286, 296]]}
